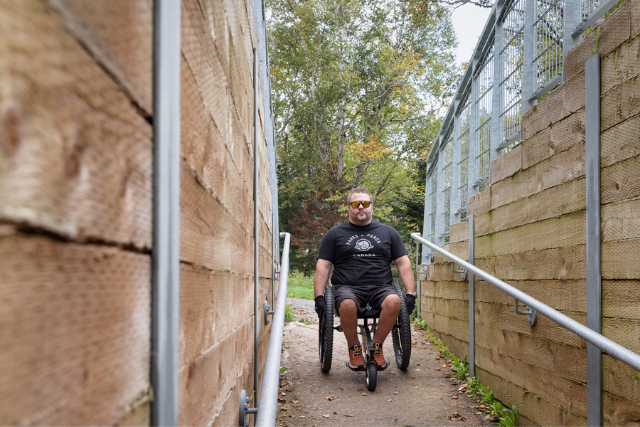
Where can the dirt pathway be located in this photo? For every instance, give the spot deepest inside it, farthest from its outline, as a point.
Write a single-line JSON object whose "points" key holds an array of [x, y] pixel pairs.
{"points": [[420, 396]]}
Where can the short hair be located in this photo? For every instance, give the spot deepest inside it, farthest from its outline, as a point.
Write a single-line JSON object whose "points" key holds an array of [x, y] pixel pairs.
{"points": [[359, 189]]}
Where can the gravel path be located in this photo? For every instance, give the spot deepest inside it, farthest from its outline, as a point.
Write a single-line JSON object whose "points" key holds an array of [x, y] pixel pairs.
{"points": [[420, 396]]}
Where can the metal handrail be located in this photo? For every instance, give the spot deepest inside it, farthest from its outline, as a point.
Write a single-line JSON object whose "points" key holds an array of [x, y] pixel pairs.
{"points": [[271, 379], [610, 347]]}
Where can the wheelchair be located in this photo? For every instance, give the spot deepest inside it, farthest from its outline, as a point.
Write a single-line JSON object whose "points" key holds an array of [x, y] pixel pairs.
{"points": [[400, 334]]}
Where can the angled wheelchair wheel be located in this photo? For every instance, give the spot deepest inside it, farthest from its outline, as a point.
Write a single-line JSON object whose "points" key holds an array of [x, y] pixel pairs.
{"points": [[401, 333], [372, 376], [325, 342]]}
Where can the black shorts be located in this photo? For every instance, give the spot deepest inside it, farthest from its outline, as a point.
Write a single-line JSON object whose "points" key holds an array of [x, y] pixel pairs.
{"points": [[363, 295]]}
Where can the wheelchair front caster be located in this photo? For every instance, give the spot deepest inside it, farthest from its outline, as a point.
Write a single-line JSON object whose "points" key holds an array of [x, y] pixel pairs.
{"points": [[372, 376]]}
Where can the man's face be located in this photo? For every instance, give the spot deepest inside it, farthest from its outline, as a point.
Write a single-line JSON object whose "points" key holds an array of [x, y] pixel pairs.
{"points": [[360, 215]]}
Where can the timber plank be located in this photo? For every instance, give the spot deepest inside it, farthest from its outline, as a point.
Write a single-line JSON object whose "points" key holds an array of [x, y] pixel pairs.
{"points": [[625, 332], [447, 325], [635, 17], [620, 142], [621, 221], [507, 164], [620, 65], [544, 383], [457, 309], [563, 167], [564, 360], [203, 58], [620, 181], [538, 410], [620, 259], [206, 382], [76, 331], [620, 380], [562, 295], [481, 202], [558, 263], [458, 347], [445, 290], [617, 411], [557, 137], [621, 299], [77, 154], [460, 232], [563, 231], [119, 33], [504, 316], [552, 202], [562, 102], [620, 103]]}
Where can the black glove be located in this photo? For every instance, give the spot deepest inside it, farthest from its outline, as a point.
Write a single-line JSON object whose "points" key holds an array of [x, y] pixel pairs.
{"points": [[410, 302], [320, 306]]}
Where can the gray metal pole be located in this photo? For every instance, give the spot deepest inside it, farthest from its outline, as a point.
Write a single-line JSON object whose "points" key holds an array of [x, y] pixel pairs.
{"points": [[472, 304], [271, 379], [605, 344], [528, 53], [572, 17], [256, 232], [165, 318], [594, 277]]}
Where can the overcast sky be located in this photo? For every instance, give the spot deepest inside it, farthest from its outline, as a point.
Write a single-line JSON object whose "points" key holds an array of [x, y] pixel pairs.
{"points": [[468, 22]]}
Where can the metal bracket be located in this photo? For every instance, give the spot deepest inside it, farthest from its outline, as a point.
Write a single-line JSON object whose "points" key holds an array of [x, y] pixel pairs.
{"points": [[276, 273], [532, 315], [245, 410], [463, 271], [267, 312]]}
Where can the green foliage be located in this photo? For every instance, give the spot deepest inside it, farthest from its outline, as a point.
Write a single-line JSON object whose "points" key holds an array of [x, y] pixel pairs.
{"points": [[283, 369], [359, 88], [300, 285], [288, 314], [493, 409]]}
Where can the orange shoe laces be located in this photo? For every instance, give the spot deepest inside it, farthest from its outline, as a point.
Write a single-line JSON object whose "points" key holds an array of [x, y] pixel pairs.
{"points": [[355, 351]]}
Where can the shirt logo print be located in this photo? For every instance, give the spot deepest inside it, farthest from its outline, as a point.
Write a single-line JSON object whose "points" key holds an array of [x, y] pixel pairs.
{"points": [[363, 245]]}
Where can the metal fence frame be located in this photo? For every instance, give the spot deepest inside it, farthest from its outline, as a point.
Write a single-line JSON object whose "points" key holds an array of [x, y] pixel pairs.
{"points": [[527, 64]]}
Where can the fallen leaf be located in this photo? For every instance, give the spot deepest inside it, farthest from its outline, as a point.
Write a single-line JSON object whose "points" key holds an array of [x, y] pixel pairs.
{"points": [[336, 412], [414, 343], [282, 400], [326, 416], [303, 416], [463, 419], [454, 396], [441, 383], [413, 376], [330, 398], [436, 369], [447, 375], [294, 401], [395, 392], [389, 400], [418, 364], [444, 366], [364, 394]]}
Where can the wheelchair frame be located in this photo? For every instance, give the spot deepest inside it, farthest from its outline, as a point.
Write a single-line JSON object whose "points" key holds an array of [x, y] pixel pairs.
{"points": [[400, 333]]}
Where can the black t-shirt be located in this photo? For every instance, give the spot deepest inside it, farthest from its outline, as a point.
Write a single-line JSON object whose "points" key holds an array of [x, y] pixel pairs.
{"points": [[361, 254]]}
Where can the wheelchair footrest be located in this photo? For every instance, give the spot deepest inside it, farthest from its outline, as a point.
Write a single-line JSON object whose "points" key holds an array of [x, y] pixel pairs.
{"points": [[360, 368]]}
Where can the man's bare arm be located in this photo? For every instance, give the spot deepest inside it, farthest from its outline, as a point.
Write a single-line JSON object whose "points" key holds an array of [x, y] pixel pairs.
{"points": [[323, 267], [406, 273]]}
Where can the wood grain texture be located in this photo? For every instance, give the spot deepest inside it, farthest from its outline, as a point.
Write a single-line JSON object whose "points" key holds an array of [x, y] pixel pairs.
{"points": [[563, 167], [447, 325], [119, 34], [619, 259], [617, 411], [562, 102], [558, 359], [537, 380], [564, 231], [76, 331], [457, 309], [446, 290], [75, 156], [540, 410], [620, 142], [621, 221], [458, 347], [481, 202], [504, 316], [552, 202], [460, 232], [620, 103], [620, 380], [507, 164], [625, 332], [556, 138], [562, 295], [620, 66], [620, 299], [620, 181]]}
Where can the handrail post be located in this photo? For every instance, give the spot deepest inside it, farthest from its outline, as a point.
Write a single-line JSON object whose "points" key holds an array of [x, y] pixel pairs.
{"points": [[472, 301]]}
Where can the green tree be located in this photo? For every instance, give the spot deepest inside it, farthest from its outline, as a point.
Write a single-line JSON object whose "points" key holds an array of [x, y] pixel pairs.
{"points": [[359, 89]]}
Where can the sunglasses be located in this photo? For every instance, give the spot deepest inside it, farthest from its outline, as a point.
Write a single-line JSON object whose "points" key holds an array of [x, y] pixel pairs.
{"points": [[356, 204]]}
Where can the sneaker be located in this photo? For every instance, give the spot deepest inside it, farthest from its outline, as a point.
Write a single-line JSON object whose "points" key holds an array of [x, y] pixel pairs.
{"points": [[378, 356], [356, 360]]}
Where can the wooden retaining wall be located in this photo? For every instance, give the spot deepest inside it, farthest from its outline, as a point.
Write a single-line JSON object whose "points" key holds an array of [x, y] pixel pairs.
{"points": [[530, 232], [76, 211]]}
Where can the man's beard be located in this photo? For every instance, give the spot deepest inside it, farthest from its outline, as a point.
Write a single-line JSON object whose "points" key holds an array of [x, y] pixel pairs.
{"points": [[366, 218]]}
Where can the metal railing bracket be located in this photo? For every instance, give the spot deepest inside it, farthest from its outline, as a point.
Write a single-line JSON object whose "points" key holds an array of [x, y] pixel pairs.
{"points": [[532, 315], [245, 410], [462, 270], [267, 312]]}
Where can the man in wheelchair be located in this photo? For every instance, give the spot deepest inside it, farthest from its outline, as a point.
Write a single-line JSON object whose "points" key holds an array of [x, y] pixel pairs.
{"points": [[360, 251]]}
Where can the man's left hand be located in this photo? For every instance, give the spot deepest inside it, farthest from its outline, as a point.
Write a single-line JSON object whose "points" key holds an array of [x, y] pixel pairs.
{"points": [[410, 302]]}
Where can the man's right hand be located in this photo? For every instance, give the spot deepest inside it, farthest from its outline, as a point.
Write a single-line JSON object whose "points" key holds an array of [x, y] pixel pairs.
{"points": [[320, 303]]}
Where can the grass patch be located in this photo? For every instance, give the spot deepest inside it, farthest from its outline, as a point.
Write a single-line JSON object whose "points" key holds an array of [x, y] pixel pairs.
{"points": [[494, 410], [300, 286], [288, 314]]}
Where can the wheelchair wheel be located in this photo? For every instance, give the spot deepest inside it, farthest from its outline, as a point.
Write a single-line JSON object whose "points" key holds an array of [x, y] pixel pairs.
{"points": [[401, 333], [372, 376], [325, 342]]}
